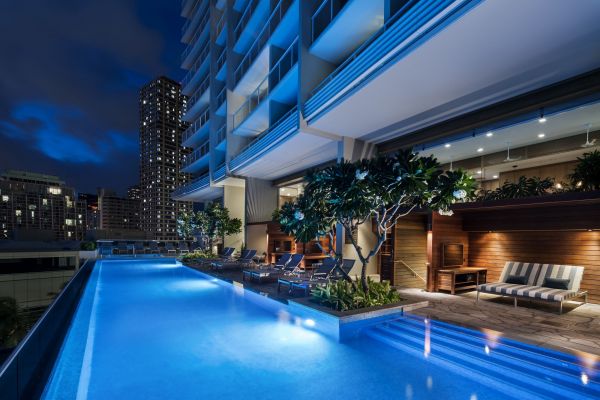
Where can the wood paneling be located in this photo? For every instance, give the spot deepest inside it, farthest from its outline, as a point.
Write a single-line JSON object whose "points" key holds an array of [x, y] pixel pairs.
{"points": [[444, 230], [311, 254], [410, 247], [492, 250]]}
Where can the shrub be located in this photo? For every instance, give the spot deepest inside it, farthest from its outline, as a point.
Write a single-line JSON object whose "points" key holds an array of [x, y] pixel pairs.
{"points": [[88, 246], [341, 296], [586, 175], [198, 255]]}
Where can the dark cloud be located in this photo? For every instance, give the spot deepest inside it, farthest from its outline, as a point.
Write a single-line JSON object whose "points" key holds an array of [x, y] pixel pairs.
{"points": [[69, 76]]}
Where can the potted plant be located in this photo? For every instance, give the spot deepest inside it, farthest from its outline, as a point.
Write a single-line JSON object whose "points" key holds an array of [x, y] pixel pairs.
{"points": [[586, 175]]}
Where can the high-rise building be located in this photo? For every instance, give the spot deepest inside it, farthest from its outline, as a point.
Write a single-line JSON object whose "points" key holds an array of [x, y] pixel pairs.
{"points": [[277, 87], [134, 192], [39, 206], [161, 106], [92, 212], [118, 213]]}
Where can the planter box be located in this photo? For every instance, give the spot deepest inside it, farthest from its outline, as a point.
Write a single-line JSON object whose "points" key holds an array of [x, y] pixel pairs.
{"points": [[344, 325], [85, 254]]}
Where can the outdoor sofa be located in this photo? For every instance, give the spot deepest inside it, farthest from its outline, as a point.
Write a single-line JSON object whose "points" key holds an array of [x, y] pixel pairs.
{"points": [[533, 281]]}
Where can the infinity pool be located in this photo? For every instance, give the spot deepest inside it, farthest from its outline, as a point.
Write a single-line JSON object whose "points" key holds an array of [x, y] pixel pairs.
{"points": [[158, 330]]}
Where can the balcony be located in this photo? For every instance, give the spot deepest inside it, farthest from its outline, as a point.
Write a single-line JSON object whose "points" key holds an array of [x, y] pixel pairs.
{"points": [[198, 159], [221, 102], [220, 31], [220, 172], [198, 100], [287, 125], [269, 87], [200, 67], [221, 139], [197, 131], [187, 6], [198, 14], [243, 38], [221, 70], [194, 186], [262, 39], [191, 51]]}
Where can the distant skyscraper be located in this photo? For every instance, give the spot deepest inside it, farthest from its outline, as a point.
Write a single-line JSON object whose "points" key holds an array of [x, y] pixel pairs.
{"points": [[161, 107], [91, 200], [118, 213], [134, 192]]}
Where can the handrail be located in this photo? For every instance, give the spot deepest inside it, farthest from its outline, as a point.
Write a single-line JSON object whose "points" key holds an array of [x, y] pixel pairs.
{"points": [[414, 273], [262, 38], [193, 13], [237, 31], [333, 12], [197, 154], [221, 60], [221, 134], [266, 131], [221, 23], [199, 91], [364, 46], [203, 180], [221, 97], [202, 57], [267, 85], [197, 124]]}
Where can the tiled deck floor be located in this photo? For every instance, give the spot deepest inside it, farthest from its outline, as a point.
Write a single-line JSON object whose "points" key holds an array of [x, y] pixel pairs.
{"points": [[577, 329]]}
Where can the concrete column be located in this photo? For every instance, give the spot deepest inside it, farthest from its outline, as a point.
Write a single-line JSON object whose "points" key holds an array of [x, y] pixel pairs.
{"points": [[235, 200]]}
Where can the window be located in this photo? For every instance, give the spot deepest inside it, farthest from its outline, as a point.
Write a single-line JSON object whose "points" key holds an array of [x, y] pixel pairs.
{"points": [[18, 213], [44, 202], [54, 190], [5, 198], [69, 222]]}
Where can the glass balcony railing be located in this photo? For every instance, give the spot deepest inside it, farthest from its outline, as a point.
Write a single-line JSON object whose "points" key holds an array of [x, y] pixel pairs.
{"points": [[287, 60], [222, 58], [199, 91], [195, 38], [243, 21], [221, 134], [220, 171], [197, 184], [196, 154], [262, 38], [221, 97], [196, 125], [196, 66], [221, 24], [324, 14], [196, 11]]}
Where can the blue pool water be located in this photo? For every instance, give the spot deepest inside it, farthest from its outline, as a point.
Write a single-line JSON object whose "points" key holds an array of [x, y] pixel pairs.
{"points": [[158, 330]]}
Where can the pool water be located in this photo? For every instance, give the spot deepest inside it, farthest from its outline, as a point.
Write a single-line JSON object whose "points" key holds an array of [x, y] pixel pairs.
{"points": [[157, 330]]}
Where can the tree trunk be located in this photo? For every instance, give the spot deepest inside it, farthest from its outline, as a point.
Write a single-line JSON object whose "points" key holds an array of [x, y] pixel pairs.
{"points": [[363, 277]]}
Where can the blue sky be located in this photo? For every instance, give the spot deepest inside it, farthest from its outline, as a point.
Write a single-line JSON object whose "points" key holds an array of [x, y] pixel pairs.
{"points": [[69, 78]]}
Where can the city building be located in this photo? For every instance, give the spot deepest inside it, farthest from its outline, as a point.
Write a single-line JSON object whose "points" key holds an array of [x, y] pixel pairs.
{"points": [[118, 213], [278, 87], [39, 207], [92, 213], [161, 106], [134, 192]]}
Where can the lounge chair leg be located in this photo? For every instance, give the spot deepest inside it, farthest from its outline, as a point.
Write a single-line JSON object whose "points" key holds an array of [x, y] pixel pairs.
{"points": [[477, 298], [515, 302], [560, 308]]}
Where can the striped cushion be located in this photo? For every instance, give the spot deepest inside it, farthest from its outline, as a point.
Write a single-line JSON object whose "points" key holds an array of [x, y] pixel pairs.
{"points": [[529, 270], [535, 292], [571, 272]]}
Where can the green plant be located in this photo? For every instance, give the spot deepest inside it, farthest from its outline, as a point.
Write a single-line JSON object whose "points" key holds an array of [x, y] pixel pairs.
{"points": [[342, 296], [198, 255], [586, 175], [524, 187], [212, 223], [187, 224], [382, 190], [88, 246], [12, 327]]}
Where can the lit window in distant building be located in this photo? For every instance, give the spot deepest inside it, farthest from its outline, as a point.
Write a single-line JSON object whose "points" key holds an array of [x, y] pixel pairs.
{"points": [[44, 202], [54, 190], [18, 213], [69, 222], [5, 198]]}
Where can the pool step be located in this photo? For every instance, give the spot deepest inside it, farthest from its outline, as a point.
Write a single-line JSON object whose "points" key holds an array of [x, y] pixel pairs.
{"points": [[514, 368]]}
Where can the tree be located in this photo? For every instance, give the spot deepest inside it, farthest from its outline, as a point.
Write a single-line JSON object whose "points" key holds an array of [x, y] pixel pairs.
{"points": [[215, 223], [187, 225], [382, 190], [586, 175]]}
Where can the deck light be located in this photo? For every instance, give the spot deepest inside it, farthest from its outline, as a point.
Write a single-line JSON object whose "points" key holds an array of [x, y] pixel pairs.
{"points": [[584, 378], [541, 135], [495, 176], [479, 150], [558, 186], [309, 322], [487, 349]]}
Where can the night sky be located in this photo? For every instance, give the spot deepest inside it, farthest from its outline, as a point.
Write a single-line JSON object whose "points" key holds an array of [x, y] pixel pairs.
{"points": [[70, 71]]}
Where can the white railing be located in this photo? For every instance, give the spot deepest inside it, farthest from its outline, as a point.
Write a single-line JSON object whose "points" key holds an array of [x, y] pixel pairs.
{"points": [[221, 24], [196, 66], [196, 154], [196, 125], [243, 21], [324, 14], [221, 134]]}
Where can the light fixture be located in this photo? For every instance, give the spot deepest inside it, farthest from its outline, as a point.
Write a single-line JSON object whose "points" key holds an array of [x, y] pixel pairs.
{"points": [[508, 157], [558, 186], [495, 176], [578, 184], [542, 119], [447, 145], [479, 172], [489, 134], [584, 378], [588, 142], [541, 135], [479, 150]]}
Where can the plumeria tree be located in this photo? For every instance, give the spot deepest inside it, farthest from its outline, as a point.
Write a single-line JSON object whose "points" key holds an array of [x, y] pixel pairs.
{"points": [[211, 224], [380, 191]]}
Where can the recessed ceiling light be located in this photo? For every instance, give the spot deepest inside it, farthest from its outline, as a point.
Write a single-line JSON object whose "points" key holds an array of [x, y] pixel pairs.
{"points": [[495, 176], [489, 134], [541, 120], [479, 172], [479, 150], [541, 135], [447, 145]]}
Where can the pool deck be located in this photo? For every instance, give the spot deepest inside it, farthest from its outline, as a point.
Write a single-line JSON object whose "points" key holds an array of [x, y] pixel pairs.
{"points": [[576, 330]]}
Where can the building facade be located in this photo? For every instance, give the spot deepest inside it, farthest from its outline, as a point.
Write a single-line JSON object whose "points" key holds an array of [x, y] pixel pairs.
{"points": [[277, 87], [118, 213], [92, 214], [37, 206], [161, 105]]}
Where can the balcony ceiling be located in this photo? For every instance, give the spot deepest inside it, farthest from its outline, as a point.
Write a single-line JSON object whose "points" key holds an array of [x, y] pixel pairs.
{"points": [[497, 50]]}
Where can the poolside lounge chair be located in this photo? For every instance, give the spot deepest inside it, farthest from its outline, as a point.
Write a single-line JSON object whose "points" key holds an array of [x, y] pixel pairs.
{"points": [[546, 282], [246, 258], [322, 272], [153, 248], [170, 248], [105, 249], [122, 248], [138, 248], [183, 247], [287, 264], [320, 279], [226, 255]]}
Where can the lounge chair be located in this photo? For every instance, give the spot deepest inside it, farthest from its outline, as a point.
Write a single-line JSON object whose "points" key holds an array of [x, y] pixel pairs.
{"points": [[286, 265], [138, 248], [246, 258], [122, 248], [226, 255], [153, 248], [546, 282], [322, 272], [105, 249], [323, 278], [183, 247], [169, 248]]}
